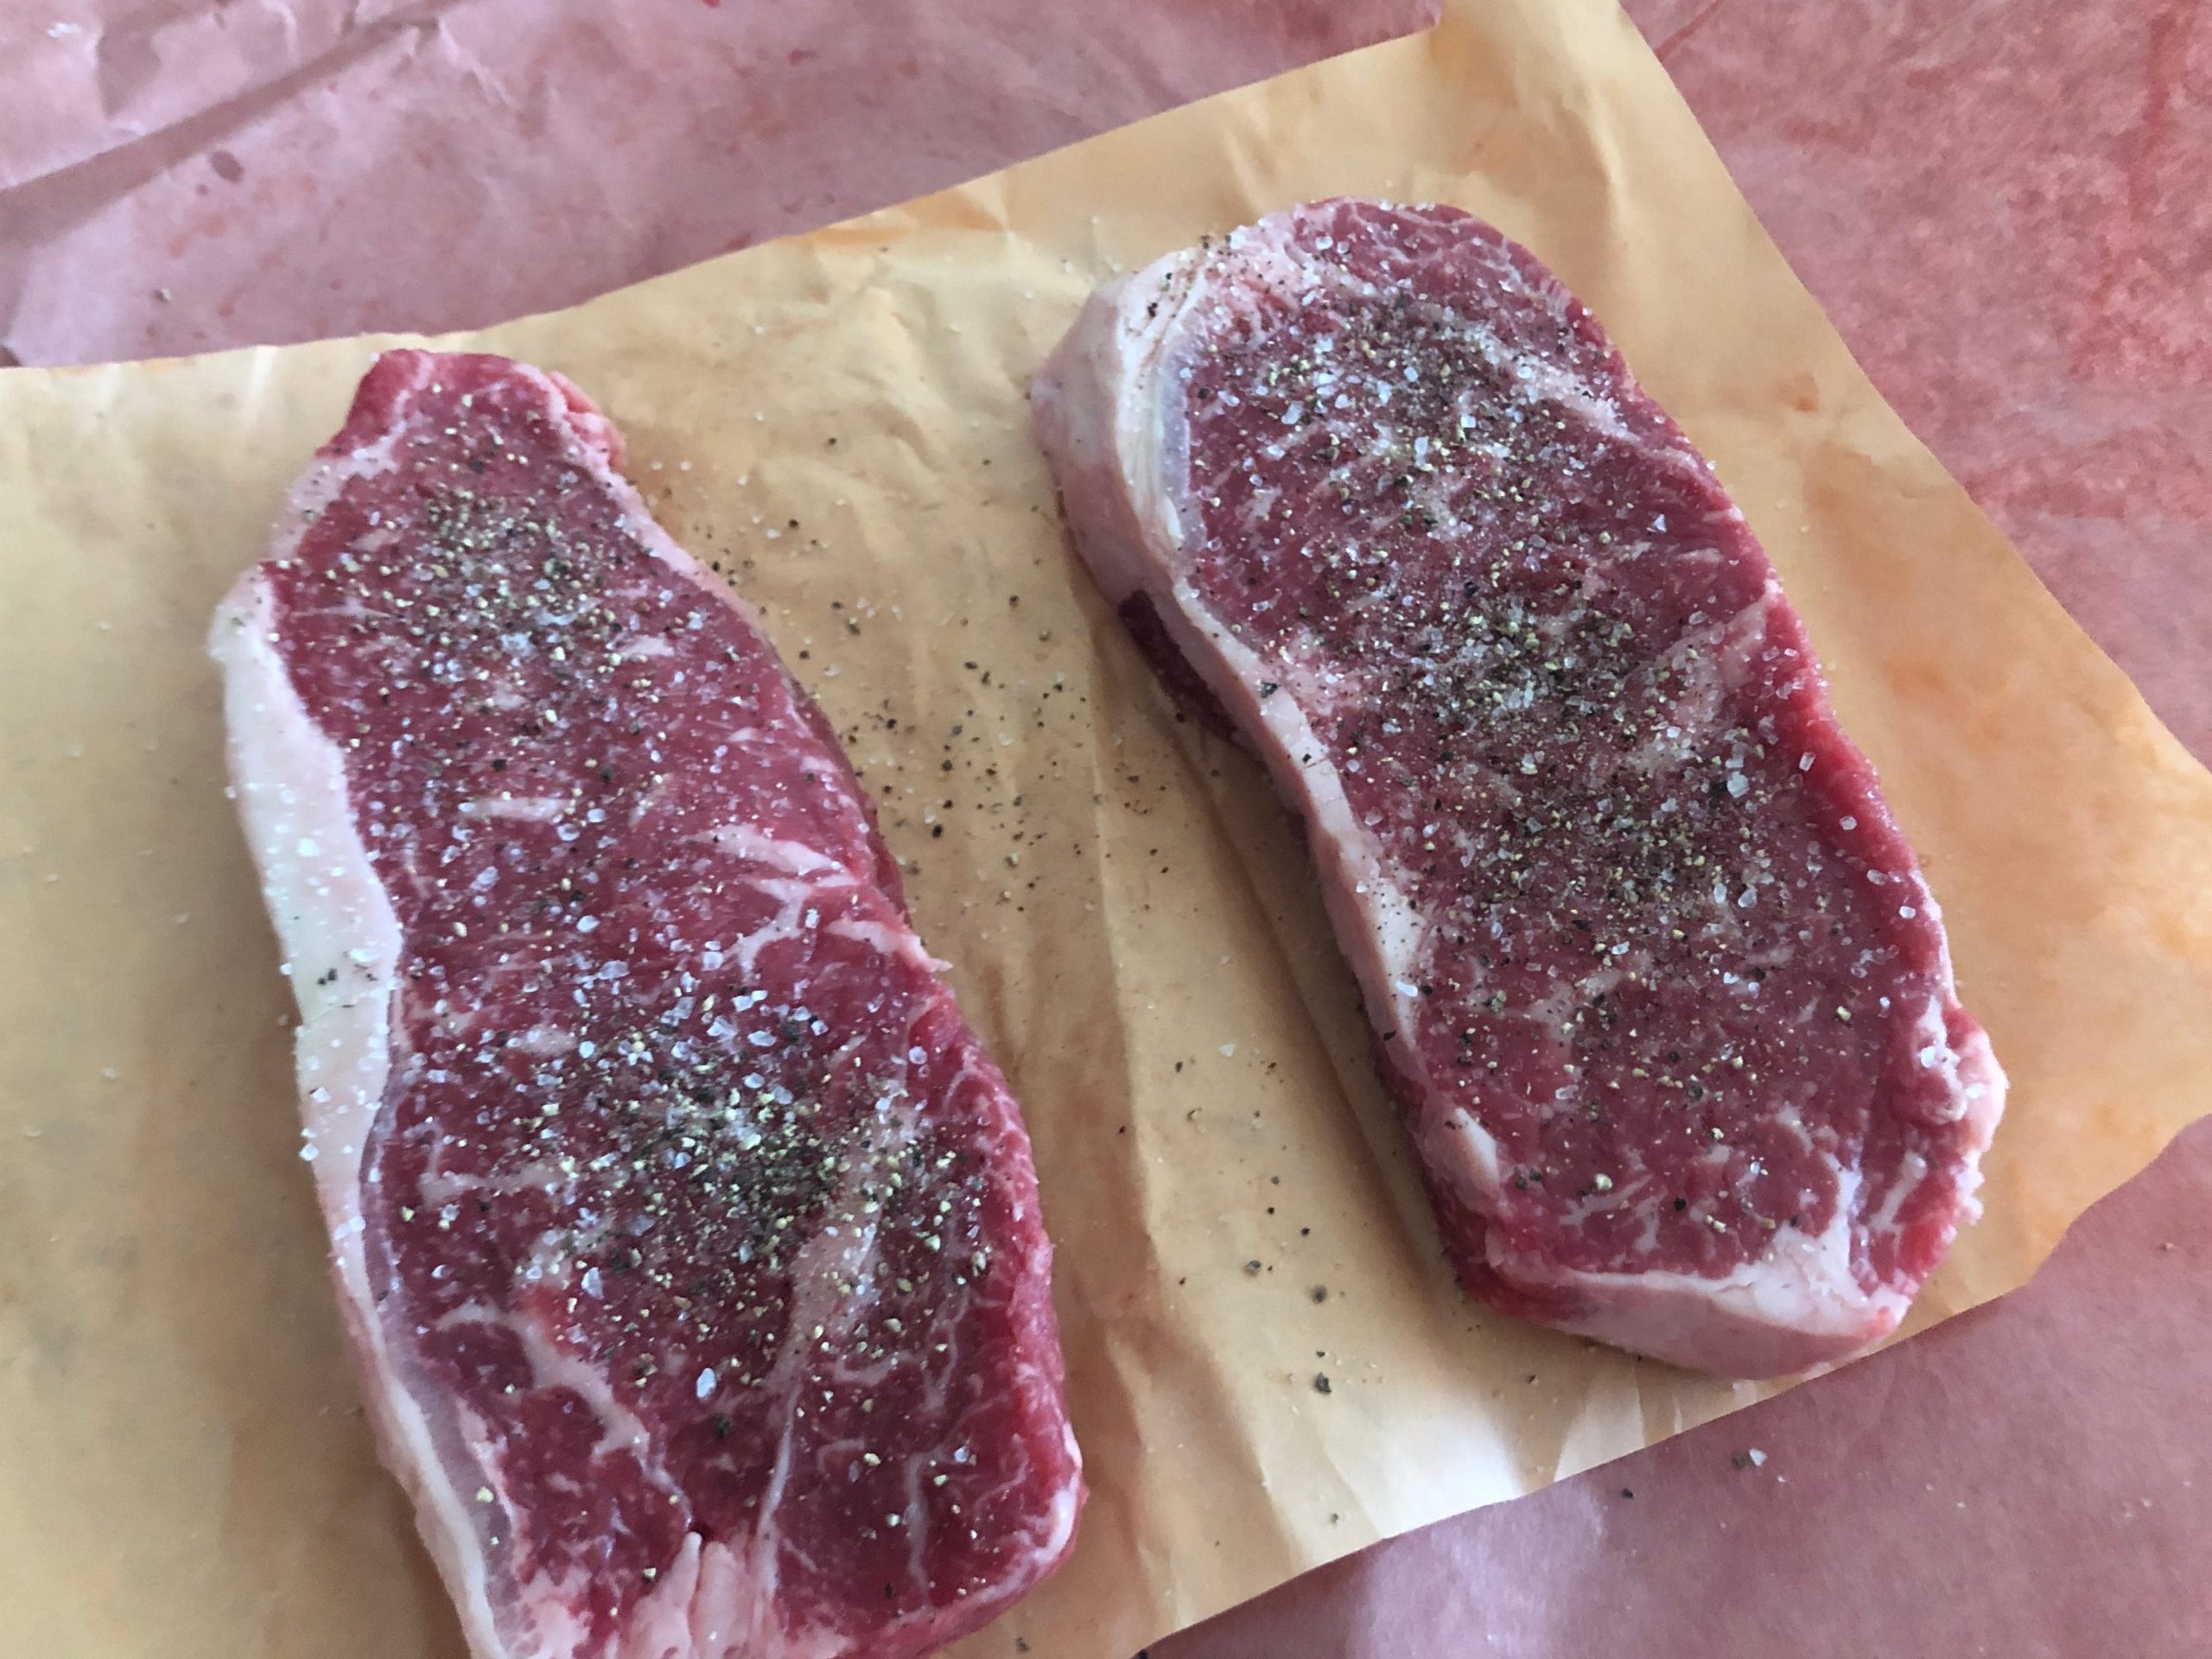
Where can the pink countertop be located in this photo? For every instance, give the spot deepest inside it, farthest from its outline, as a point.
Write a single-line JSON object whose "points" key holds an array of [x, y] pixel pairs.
{"points": [[178, 177], [2000, 202]]}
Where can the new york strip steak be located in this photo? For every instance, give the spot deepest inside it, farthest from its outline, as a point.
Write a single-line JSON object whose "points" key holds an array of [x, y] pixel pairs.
{"points": [[687, 1243], [1652, 971]]}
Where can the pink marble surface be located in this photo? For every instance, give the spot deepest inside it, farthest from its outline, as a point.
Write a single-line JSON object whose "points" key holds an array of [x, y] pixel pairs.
{"points": [[2000, 202], [178, 176]]}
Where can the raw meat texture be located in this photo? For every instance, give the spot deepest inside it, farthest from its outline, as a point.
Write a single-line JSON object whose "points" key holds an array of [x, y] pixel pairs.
{"points": [[688, 1243], [1651, 970]]}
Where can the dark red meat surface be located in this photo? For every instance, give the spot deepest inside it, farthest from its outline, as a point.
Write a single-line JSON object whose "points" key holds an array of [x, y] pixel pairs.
{"points": [[689, 1191], [1657, 941]]}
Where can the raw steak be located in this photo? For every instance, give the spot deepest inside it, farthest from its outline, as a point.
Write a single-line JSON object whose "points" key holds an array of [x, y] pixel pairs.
{"points": [[687, 1241], [1651, 970]]}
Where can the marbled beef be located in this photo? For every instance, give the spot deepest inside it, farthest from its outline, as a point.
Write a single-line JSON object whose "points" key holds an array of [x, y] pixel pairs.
{"points": [[1651, 968], [687, 1241]]}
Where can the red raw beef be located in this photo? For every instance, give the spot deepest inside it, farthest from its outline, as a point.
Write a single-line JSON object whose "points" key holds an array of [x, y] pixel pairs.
{"points": [[687, 1240], [1651, 968]]}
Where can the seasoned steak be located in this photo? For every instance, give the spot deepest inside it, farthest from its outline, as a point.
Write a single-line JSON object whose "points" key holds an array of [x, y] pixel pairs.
{"points": [[1651, 968], [687, 1240]]}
